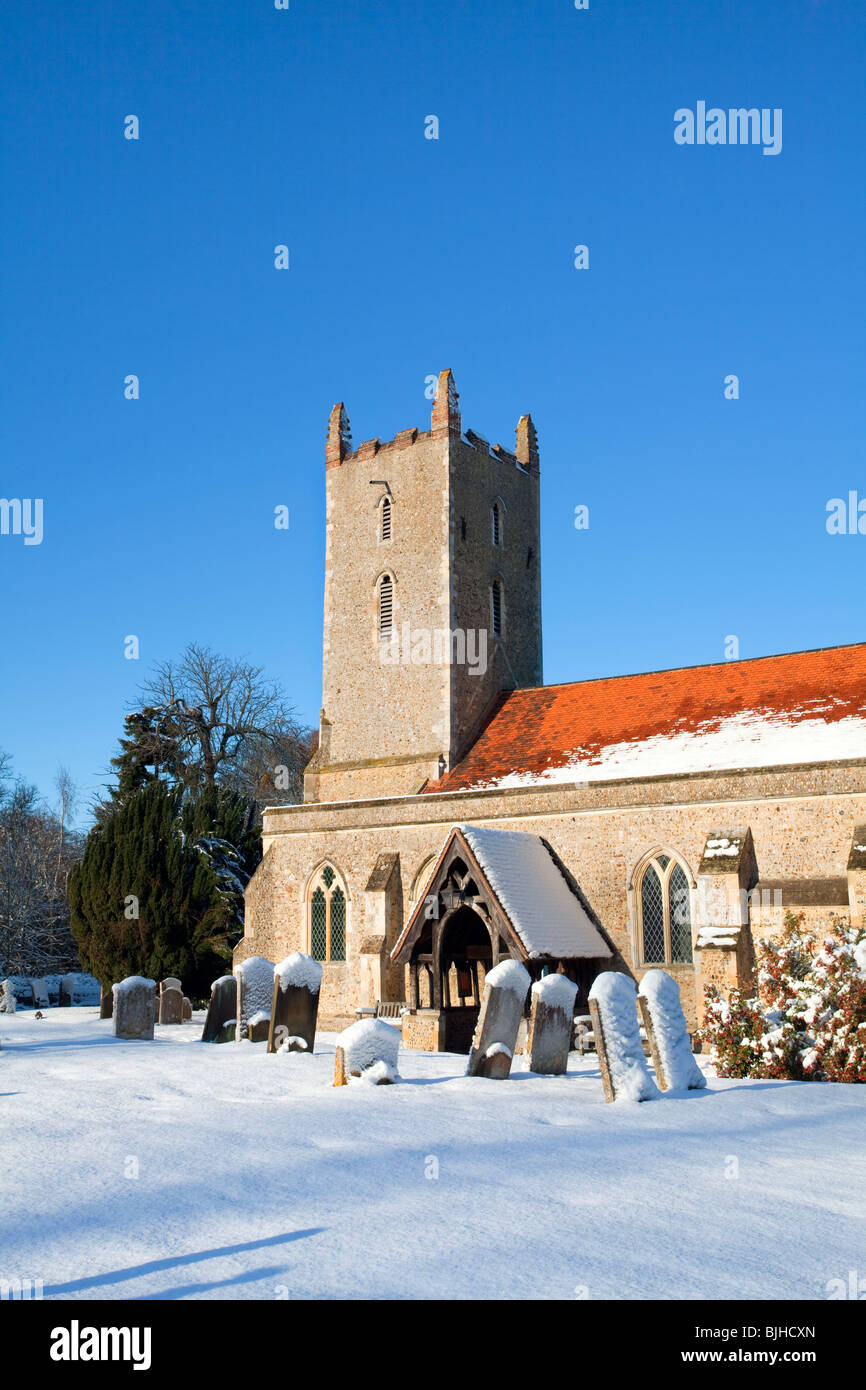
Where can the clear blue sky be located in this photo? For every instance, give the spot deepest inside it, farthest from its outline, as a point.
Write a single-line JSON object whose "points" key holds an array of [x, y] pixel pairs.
{"points": [[306, 127]]}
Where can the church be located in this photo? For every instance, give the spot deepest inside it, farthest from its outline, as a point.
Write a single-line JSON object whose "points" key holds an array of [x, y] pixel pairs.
{"points": [[458, 812]]}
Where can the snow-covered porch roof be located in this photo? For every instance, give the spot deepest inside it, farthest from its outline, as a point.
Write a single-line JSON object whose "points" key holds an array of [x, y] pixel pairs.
{"points": [[527, 886]]}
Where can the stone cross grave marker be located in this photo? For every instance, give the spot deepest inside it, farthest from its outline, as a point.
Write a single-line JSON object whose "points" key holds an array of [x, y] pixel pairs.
{"points": [[222, 1011], [495, 1037], [550, 1024], [613, 1009], [295, 1004], [133, 1007], [665, 1025]]}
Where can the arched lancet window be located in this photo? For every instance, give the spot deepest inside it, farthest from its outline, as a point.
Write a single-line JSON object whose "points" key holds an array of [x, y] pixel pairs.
{"points": [[497, 607], [664, 912], [385, 521], [327, 916], [496, 524], [386, 605]]}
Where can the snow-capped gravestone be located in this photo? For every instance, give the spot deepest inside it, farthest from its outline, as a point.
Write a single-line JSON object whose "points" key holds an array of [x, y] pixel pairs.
{"points": [[222, 1011], [187, 1010], [39, 994], [295, 1004], [255, 977], [550, 1024], [613, 1009], [134, 1007], [79, 989], [665, 1024], [370, 1050], [495, 1039], [170, 1002], [106, 1003]]}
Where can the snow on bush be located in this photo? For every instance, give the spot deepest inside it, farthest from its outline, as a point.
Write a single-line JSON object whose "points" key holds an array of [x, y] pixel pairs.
{"points": [[367, 1042], [557, 992], [662, 994], [509, 974], [255, 987], [298, 969], [7, 998], [616, 996], [807, 1018]]}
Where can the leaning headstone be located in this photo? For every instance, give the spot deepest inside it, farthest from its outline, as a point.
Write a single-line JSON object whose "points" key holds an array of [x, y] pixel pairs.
{"points": [[295, 1004], [106, 1003], [171, 1004], [369, 1049], [495, 1038], [133, 1007], [187, 1010], [39, 994], [665, 1024], [550, 1023], [221, 1011], [613, 1009], [8, 1003], [255, 977]]}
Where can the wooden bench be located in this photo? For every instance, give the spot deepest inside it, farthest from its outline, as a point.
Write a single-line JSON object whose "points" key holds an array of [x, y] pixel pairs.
{"points": [[383, 1009]]}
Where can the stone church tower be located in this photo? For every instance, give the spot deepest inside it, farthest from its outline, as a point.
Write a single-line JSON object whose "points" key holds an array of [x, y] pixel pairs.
{"points": [[432, 599]]}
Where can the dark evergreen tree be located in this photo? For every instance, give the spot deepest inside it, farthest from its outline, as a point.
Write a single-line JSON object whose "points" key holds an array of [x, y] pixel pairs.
{"points": [[159, 890]]}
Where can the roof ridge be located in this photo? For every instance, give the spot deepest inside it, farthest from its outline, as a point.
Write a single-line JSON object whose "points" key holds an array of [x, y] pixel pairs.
{"points": [[670, 670]]}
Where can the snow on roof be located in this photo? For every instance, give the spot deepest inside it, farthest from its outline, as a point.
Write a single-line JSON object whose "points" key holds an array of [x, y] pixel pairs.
{"points": [[547, 915], [801, 707]]}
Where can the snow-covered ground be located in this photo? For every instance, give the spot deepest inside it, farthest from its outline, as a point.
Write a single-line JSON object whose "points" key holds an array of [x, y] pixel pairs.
{"points": [[172, 1169]]}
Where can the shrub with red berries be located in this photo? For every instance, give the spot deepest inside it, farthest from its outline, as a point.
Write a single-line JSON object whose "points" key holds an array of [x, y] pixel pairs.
{"points": [[808, 1016]]}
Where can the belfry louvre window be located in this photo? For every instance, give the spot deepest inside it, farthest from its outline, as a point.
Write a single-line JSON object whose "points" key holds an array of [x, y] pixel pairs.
{"points": [[386, 519], [327, 917], [665, 912], [496, 606], [386, 605], [495, 524]]}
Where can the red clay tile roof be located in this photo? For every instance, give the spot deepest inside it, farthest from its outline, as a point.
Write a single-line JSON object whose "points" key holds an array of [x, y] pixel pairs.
{"points": [[536, 731]]}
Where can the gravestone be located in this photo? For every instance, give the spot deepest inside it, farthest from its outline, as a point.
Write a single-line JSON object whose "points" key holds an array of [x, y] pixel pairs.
{"points": [[495, 1037], [550, 1024], [370, 1050], [667, 1034], [258, 1027], [170, 1004], [613, 1009], [295, 1004], [255, 977], [106, 1003], [187, 1010], [222, 1010], [133, 1007], [171, 983], [39, 994], [79, 989]]}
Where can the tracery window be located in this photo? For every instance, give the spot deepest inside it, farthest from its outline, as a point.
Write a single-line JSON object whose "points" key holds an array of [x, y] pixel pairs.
{"points": [[327, 916], [664, 911]]}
